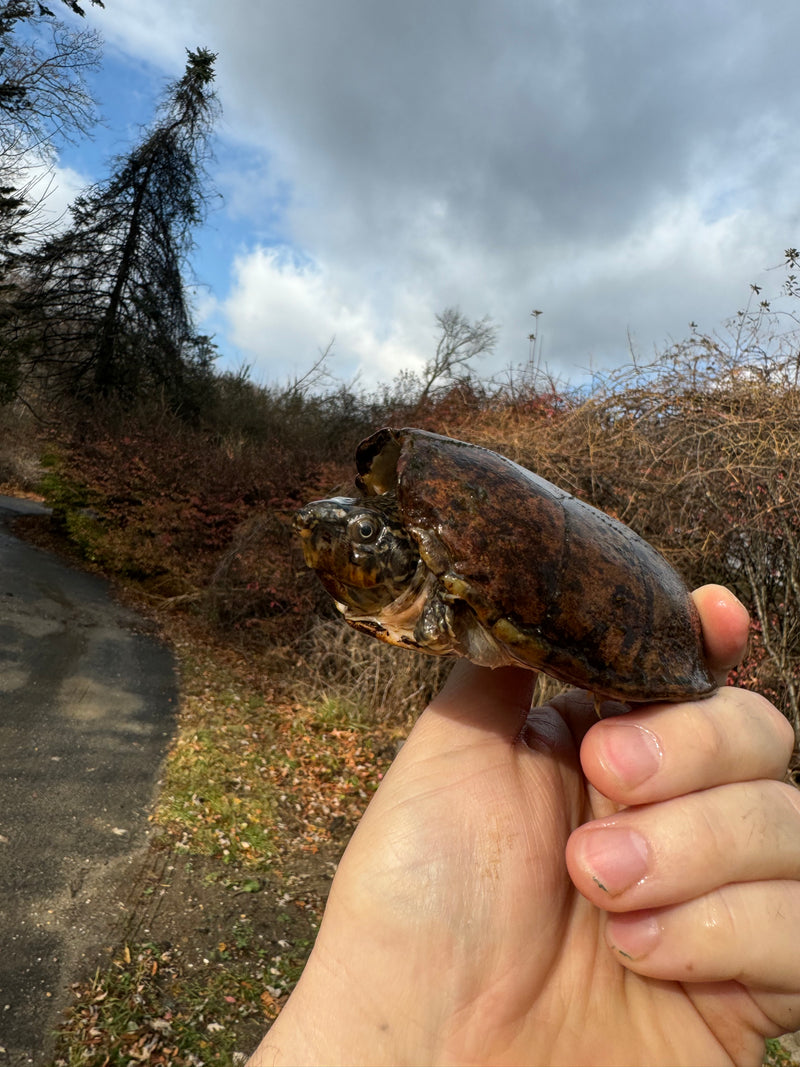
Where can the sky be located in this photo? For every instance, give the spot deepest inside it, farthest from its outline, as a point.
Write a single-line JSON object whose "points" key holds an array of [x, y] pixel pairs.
{"points": [[625, 168]]}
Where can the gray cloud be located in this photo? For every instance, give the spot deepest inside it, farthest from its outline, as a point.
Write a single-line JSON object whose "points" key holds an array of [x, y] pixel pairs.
{"points": [[616, 163]]}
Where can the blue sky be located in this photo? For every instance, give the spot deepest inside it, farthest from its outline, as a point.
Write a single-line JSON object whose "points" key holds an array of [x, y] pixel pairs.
{"points": [[626, 168]]}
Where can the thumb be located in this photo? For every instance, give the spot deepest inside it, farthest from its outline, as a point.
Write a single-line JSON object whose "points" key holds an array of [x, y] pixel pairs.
{"points": [[481, 699]]}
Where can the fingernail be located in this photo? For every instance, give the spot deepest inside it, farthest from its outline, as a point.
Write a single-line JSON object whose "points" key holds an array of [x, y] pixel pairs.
{"points": [[615, 858], [633, 935], [631, 752]]}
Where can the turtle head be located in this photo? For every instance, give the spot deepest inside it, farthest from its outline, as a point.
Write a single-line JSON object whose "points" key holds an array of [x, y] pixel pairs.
{"points": [[360, 549]]}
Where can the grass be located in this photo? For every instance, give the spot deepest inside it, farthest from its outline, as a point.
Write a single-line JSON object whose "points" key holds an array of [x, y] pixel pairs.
{"points": [[148, 1008], [217, 798], [777, 1056], [247, 777]]}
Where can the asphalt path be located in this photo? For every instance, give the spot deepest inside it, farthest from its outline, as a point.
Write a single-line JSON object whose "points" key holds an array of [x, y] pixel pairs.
{"points": [[87, 704]]}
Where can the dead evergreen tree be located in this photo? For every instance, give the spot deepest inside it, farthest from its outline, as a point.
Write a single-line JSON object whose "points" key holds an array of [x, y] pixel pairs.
{"points": [[103, 309]]}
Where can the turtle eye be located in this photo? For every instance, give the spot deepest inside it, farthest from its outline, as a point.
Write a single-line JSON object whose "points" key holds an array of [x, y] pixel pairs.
{"points": [[364, 529]]}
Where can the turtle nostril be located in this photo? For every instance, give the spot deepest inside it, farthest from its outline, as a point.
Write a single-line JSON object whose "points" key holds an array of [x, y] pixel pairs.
{"points": [[303, 519]]}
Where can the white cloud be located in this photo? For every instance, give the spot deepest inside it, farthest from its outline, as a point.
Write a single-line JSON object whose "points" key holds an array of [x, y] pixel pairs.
{"points": [[284, 313], [156, 32], [49, 191], [678, 266], [63, 189]]}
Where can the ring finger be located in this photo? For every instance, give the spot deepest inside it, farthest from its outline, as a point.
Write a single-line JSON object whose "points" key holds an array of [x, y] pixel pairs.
{"points": [[719, 937]]}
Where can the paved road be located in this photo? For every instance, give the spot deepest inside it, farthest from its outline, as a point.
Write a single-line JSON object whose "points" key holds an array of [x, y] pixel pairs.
{"points": [[87, 702]]}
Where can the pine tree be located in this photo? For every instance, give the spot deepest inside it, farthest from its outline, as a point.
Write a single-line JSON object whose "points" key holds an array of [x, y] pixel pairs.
{"points": [[103, 307]]}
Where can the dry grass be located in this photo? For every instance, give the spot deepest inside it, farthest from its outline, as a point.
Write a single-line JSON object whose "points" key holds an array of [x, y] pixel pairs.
{"points": [[377, 682], [21, 465], [336, 663]]}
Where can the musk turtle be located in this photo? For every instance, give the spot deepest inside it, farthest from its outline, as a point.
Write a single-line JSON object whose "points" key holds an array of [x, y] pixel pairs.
{"points": [[452, 549]]}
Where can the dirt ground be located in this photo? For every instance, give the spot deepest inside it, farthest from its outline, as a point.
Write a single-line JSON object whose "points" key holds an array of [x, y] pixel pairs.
{"points": [[181, 905]]}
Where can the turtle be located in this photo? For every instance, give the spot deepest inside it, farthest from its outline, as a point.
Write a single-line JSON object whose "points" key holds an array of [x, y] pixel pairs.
{"points": [[451, 549]]}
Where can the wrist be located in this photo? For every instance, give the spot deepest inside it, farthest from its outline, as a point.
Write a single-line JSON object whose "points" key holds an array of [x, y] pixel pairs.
{"points": [[332, 1017]]}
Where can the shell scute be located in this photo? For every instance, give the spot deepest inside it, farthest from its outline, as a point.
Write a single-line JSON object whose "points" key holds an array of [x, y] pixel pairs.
{"points": [[488, 522]]}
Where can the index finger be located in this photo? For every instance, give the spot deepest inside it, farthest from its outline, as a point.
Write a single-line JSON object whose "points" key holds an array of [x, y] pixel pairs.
{"points": [[667, 750]]}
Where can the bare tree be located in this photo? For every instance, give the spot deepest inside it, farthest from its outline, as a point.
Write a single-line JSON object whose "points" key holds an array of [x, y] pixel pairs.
{"points": [[44, 99], [460, 341]]}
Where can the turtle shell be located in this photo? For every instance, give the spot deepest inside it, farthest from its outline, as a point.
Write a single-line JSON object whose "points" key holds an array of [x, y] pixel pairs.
{"points": [[562, 586]]}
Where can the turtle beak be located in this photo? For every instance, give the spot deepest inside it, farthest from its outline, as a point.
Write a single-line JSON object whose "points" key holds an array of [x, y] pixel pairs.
{"points": [[321, 526], [304, 520], [307, 523]]}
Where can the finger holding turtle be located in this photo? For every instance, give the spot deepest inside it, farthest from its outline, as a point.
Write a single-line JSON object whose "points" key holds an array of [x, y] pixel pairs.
{"points": [[700, 874], [453, 932], [699, 863]]}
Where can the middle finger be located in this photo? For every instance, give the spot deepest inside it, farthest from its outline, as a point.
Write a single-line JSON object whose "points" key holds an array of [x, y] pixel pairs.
{"points": [[674, 851]]}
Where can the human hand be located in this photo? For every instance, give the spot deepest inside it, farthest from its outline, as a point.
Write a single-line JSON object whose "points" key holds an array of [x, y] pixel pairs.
{"points": [[547, 888]]}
